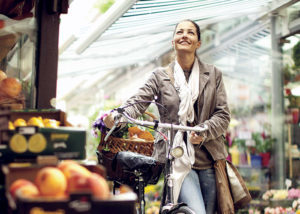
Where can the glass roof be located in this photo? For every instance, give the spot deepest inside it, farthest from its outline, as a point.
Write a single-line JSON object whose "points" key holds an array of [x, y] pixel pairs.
{"points": [[97, 52], [144, 32]]}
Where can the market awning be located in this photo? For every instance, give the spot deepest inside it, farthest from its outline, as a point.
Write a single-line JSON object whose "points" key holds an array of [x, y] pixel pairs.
{"points": [[144, 31]]}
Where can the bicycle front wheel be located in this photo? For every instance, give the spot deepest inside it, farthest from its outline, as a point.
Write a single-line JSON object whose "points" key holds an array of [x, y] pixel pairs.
{"points": [[182, 210]]}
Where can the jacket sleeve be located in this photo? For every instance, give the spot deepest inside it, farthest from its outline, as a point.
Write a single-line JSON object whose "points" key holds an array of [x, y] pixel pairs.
{"points": [[220, 118], [136, 105]]}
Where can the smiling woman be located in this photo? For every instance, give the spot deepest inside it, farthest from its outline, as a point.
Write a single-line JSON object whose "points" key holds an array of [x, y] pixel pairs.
{"points": [[193, 94]]}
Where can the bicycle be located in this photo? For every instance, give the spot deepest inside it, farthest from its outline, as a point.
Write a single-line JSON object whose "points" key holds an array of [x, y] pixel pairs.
{"points": [[168, 206]]}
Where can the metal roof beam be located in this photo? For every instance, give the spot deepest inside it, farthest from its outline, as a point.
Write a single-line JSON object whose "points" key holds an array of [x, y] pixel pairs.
{"points": [[106, 20]]}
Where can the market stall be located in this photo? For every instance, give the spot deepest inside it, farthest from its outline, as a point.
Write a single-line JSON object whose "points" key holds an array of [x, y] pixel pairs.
{"points": [[43, 166]]}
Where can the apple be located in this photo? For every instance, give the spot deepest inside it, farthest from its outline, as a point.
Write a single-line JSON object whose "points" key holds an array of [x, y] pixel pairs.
{"points": [[17, 184], [99, 186], [93, 183], [51, 181], [70, 167], [78, 183], [28, 191]]}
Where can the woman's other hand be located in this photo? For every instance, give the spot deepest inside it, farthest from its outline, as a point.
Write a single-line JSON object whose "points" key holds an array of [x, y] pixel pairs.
{"points": [[109, 120], [196, 139]]}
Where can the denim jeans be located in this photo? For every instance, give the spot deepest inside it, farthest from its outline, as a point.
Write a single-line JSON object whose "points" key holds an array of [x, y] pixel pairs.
{"points": [[199, 191]]}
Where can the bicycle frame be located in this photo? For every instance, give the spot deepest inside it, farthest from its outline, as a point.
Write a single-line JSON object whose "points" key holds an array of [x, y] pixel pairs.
{"points": [[169, 158]]}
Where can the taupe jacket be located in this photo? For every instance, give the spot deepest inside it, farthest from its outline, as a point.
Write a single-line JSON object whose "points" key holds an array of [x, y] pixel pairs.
{"points": [[212, 106]]}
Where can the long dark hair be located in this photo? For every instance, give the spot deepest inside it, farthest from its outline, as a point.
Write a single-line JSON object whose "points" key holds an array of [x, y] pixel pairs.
{"points": [[194, 23]]}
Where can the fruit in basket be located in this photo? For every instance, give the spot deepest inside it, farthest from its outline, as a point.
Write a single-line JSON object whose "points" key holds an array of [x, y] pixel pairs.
{"points": [[10, 87], [51, 181], [19, 122], [21, 183], [2, 75], [35, 121], [132, 131], [135, 132], [146, 135]]}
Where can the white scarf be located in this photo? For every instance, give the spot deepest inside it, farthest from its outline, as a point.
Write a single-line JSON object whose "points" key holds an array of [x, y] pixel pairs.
{"points": [[188, 94]]}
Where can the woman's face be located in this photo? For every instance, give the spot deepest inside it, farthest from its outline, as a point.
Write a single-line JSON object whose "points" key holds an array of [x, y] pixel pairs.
{"points": [[185, 38]]}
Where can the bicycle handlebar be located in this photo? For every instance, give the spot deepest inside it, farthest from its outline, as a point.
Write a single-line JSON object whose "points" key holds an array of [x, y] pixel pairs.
{"points": [[168, 126]]}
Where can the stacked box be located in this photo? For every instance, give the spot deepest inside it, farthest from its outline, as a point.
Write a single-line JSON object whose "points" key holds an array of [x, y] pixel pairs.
{"points": [[29, 142]]}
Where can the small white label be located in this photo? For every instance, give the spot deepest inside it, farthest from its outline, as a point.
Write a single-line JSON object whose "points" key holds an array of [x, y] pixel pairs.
{"points": [[27, 130], [3, 146]]}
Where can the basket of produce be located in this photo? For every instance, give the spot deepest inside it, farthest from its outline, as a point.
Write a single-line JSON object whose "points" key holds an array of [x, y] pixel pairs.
{"points": [[140, 142], [133, 139]]}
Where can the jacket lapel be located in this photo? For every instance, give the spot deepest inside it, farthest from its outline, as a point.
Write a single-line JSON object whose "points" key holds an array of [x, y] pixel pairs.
{"points": [[204, 75], [170, 72]]}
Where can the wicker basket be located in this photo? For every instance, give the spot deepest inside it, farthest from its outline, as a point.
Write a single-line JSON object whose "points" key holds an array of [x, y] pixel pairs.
{"points": [[16, 103], [115, 145]]}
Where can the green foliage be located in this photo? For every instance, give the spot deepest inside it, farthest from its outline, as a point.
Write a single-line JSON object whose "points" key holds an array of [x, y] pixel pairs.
{"points": [[240, 143], [104, 5], [296, 54], [287, 72], [262, 144]]}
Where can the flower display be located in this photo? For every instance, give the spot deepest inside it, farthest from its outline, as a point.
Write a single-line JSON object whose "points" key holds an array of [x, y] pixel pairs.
{"points": [[294, 194], [281, 194], [278, 210]]}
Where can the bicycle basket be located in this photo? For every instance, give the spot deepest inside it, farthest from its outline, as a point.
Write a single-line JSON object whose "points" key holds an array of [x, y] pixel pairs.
{"points": [[115, 145]]}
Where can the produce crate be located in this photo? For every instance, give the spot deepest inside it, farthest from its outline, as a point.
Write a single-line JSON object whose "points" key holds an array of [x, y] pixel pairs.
{"points": [[7, 115], [81, 203], [27, 143]]}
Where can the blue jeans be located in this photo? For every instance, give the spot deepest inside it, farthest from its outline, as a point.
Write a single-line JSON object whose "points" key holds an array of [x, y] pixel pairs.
{"points": [[199, 191]]}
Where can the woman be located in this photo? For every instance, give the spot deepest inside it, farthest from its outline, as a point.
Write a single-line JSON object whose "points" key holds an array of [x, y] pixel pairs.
{"points": [[193, 94]]}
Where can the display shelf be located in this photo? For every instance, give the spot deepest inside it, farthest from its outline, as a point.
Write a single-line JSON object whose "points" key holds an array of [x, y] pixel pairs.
{"points": [[256, 179], [17, 59]]}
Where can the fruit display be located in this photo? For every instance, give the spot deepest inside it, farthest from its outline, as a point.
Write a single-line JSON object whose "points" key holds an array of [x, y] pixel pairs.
{"points": [[34, 121], [58, 182], [66, 187], [30, 133]]}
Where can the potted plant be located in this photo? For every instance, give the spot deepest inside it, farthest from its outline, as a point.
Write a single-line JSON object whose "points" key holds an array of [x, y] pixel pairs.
{"points": [[263, 147]]}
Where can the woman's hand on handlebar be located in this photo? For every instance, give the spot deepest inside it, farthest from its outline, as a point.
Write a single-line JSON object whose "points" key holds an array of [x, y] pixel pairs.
{"points": [[196, 139], [109, 120]]}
